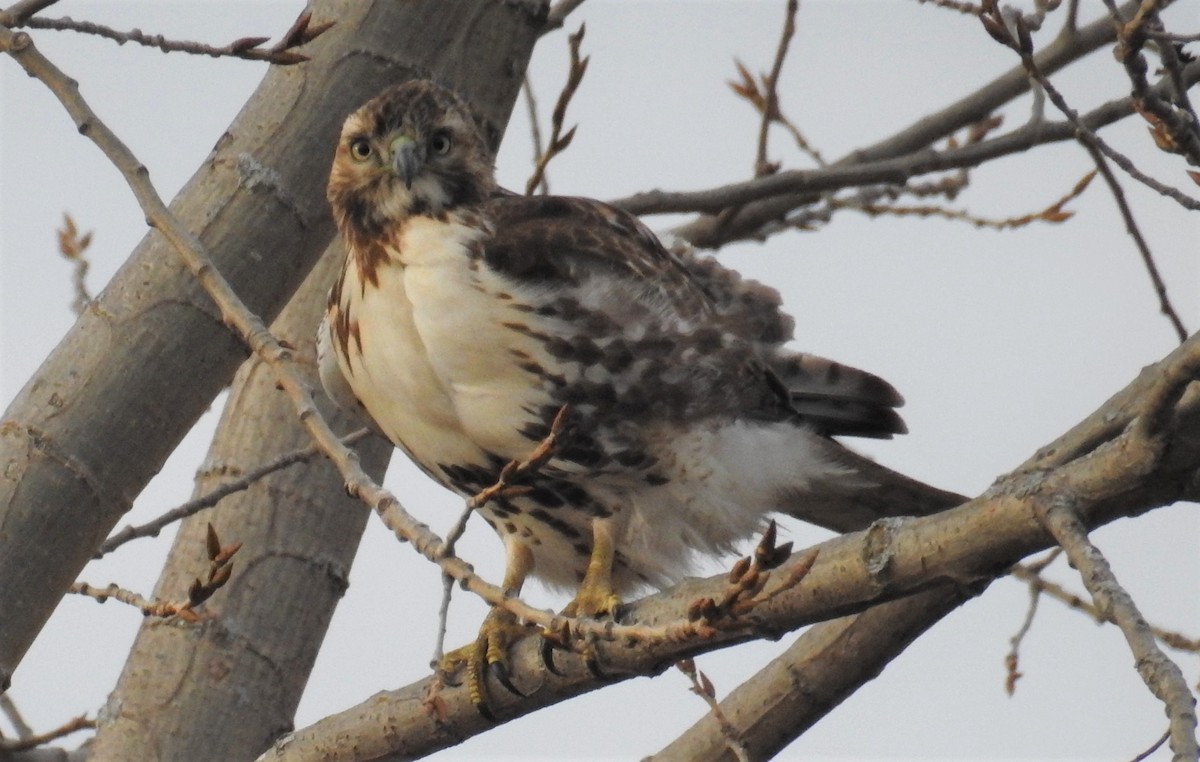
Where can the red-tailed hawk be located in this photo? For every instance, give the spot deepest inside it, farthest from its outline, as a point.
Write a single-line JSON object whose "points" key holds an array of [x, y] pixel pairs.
{"points": [[467, 317]]}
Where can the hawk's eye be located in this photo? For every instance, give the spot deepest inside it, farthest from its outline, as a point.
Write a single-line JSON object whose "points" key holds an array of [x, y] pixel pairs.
{"points": [[440, 143], [360, 149]]}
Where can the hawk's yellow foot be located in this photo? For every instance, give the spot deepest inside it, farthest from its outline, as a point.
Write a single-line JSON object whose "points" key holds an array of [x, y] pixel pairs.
{"points": [[487, 653], [595, 597], [500, 629], [593, 601]]}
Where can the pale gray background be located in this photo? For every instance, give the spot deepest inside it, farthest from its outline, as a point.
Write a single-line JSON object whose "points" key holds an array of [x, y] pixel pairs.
{"points": [[999, 341]]}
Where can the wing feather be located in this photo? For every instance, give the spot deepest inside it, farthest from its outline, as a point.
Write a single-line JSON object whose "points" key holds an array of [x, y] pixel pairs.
{"points": [[711, 336]]}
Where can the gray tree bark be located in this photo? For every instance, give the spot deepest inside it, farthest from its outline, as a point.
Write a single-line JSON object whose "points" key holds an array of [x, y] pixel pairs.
{"points": [[1102, 467], [139, 367], [225, 687], [798, 688]]}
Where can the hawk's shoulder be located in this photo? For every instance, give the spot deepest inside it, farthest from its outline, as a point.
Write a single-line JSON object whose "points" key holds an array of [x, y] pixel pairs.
{"points": [[565, 239]]}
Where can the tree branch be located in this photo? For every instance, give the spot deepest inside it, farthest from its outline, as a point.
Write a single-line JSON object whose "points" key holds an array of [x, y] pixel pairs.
{"points": [[217, 494], [39, 739], [770, 199], [770, 110], [1131, 226], [558, 14], [1161, 675], [558, 139], [1175, 125], [283, 53], [896, 170], [825, 665], [1119, 475], [1022, 45], [19, 12], [1041, 585]]}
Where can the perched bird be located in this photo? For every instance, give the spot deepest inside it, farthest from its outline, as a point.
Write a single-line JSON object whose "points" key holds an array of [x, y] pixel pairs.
{"points": [[467, 317]]}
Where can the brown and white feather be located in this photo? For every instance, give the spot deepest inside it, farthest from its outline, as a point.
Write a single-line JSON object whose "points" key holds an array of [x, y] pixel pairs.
{"points": [[467, 317]]}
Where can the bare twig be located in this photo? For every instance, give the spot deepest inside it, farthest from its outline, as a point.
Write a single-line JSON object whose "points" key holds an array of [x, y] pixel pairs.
{"points": [[1030, 574], [703, 688], [112, 590], [558, 13], [73, 247], [1054, 213], [1161, 675], [558, 139], [893, 171], [970, 9], [748, 578], [770, 111], [9, 708], [18, 12], [1160, 287], [1179, 39], [38, 739], [216, 495], [510, 476], [1041, 8], [1071, 25], [535, 130], [763, 95], [220, 569], [754, 91], [765, 203], [443, 616], [1012, 660], [282, 53], [1153, 747], [1173, 121], [1020, 42], [506, 485]]}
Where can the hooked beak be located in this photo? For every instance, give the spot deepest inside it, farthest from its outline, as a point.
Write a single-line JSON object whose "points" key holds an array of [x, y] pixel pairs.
{"points": [[406, 159]]}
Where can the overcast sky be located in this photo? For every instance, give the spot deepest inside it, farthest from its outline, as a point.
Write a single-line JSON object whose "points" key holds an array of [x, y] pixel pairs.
{"points": [[998, 340]]}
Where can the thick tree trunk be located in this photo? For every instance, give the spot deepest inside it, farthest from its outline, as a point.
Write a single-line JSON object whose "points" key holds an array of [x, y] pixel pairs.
{"points": [[225, 687], [823, 668], [139, 367]]}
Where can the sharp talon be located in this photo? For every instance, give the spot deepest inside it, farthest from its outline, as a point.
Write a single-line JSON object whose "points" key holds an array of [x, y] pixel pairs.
{"points": [[594, 667], [548, 657], [487, 654], [485, 711], [500, 672]]}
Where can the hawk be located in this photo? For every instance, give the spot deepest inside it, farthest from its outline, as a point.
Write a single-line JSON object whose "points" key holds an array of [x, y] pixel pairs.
{"points": [[467, 317]]}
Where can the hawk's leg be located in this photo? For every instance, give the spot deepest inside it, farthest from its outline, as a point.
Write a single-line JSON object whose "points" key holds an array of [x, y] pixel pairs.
{"points": [[595, 596], [500, 629]]}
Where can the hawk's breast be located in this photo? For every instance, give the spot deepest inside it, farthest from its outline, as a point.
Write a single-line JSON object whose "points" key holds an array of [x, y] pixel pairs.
{"points": [[431, 352]]}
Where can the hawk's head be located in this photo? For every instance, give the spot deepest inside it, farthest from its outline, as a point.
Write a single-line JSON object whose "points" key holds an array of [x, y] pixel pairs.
{"points": [[413, 150]]}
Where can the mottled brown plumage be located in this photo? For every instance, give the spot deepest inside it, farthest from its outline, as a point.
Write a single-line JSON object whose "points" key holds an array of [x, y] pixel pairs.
{"points": [[467, 317]]}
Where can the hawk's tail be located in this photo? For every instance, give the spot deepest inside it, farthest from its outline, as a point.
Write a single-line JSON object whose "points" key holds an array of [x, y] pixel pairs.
{"points": [[864, 492], [837, 400]]}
